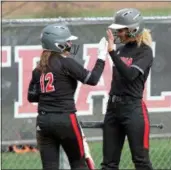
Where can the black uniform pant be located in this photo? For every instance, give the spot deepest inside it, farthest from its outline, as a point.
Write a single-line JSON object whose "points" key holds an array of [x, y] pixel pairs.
{"points": [[126, 117], [54, 130]]}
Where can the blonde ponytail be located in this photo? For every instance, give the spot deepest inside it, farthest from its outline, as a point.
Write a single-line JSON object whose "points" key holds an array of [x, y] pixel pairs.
{"points": [[145, 37]]}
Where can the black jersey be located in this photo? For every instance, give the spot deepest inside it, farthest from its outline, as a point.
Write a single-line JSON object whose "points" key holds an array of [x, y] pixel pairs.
{"points": [[131, 69], [54, 90]]}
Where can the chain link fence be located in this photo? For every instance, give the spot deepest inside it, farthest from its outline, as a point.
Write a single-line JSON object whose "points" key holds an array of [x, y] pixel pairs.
{"points": [[160, 153], [90, 30]]}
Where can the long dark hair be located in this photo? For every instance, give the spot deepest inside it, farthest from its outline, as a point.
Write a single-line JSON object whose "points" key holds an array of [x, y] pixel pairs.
{"points": [[43, 64]]}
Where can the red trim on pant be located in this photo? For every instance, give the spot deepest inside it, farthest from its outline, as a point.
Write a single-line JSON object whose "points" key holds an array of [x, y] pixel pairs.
{"points": [[78, 133], [90, 164], [146, 126]]}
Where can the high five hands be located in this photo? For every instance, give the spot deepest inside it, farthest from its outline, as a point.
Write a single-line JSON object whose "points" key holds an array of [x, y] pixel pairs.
{"points": [[103, 49], [106, 46], [110, 40]]}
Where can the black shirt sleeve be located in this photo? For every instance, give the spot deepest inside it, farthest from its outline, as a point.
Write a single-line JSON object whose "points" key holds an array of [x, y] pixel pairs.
{"points": [[127, 72], [78, 72], [143, 61], [34, 87]]}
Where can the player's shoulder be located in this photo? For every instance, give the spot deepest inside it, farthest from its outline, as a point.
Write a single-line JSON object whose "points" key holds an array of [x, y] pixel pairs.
{"points": [[70, 61], [36, 72], [146, 48], [120, 47]]}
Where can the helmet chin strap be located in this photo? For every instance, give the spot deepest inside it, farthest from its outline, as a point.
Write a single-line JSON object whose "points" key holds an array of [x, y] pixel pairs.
{"points": [[118, 40]]}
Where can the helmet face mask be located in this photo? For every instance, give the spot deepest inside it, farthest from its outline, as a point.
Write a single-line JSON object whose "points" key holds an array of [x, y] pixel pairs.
{"points": [[121, 35], [71, 48], [117, 37]]}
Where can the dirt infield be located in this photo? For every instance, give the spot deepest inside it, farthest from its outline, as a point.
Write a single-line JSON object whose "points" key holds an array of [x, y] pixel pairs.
{"points": [[16, 9]]}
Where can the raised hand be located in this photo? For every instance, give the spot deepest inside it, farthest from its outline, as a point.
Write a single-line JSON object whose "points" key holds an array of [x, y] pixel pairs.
{"points": [[110, 40], [102, 49]]}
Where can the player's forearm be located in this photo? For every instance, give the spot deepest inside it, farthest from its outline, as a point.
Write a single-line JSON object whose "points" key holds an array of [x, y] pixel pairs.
{"points": [[95, 74], [127, 72], [33, 98], [33, 94]]}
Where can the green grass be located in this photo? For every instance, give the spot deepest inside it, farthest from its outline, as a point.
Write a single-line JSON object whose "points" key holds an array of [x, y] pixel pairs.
{"points": [[160, 155], [90, 13], [99, 13]]}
